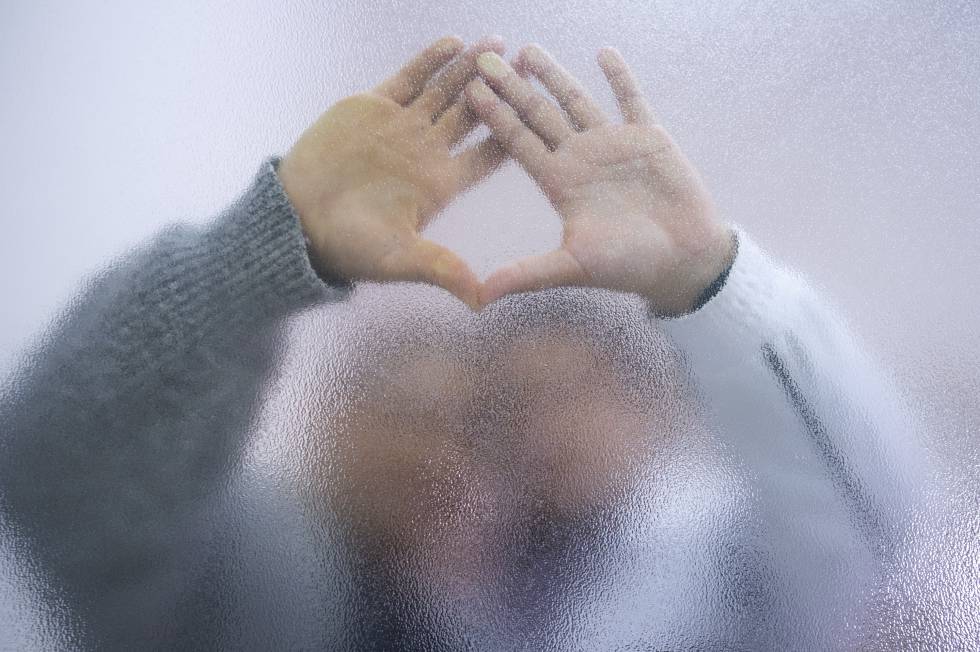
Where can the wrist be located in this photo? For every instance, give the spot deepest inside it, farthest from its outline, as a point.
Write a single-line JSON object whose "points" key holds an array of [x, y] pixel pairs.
{"points": [[703, 278], [715, 286], [311, 228]]}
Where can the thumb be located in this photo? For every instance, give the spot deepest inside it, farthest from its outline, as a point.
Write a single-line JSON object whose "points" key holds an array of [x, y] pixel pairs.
{"points": [[554, 269], [428, 262]]}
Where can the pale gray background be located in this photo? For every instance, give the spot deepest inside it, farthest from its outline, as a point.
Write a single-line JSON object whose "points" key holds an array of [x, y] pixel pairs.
{"points": [[844, 137]]}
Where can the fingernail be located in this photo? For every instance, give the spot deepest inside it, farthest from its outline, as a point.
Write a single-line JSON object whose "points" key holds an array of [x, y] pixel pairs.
{"points": [[608, 54], [491, 64], [448, 44], [532, 51]]}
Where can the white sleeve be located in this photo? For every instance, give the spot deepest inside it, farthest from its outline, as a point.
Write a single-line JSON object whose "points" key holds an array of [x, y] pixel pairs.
{"points": [[798, 398]]}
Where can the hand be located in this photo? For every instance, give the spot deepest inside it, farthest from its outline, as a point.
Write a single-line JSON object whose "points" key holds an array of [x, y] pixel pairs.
{"points": [[637, 217], [374, 169]]}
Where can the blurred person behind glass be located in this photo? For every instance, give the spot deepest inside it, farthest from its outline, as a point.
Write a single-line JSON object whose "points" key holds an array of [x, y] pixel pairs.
{"points": [[459, 478]]}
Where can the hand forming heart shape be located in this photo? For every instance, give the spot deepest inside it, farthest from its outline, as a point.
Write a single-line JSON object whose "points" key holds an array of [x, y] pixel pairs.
{"points": [[377, 167]]}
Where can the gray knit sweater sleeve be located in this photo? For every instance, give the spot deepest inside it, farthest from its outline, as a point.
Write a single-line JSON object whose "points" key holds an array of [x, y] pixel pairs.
{"points": [[120, 429]]}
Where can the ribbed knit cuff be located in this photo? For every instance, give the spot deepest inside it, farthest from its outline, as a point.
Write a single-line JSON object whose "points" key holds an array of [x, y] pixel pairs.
{"points": [[747, 310], [267, 251], [256, 259], [246, 269]]}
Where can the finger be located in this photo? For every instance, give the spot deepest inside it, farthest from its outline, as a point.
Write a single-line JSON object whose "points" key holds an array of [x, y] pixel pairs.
{"points": [[458, 121], [632, 104], [477, 162], [441, 92], [557, 268], [507, 128], [455, 123], [408, 82], [535, 110], [572, 97], [428, 262]]}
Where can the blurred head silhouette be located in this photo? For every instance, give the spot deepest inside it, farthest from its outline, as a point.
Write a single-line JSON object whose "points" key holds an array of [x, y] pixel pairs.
{"points": [[481, 458]]}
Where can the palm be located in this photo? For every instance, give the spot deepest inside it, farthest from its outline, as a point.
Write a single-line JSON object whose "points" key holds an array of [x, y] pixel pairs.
{"points": [[637, 217], [393, 179], [397, 148], [627, 197], [374, 169]]}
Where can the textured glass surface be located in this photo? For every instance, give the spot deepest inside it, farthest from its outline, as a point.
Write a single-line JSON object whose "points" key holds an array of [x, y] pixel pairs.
{"points": [[562, 470]]}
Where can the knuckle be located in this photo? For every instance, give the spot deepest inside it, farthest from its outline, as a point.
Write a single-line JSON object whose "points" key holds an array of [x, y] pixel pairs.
{"points": [[485, 109], [540, 116], [511, 130], [658, 143], [631, 96], [535, 105], [497, 113], [574, 94], [581, 107]]}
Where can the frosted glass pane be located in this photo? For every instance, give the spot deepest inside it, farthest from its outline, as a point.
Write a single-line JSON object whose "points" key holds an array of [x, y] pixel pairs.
{"points": [[217, 434]]}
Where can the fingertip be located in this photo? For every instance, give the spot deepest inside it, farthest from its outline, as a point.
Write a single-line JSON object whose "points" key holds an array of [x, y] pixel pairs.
{"points": [[445, 49], [532, 49], [491, 65], [496, 286], [493, 43], [450, 42], [474, 303], [471, 297], [468, 293], [451, 272], [608, 56], [485, 297]]}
